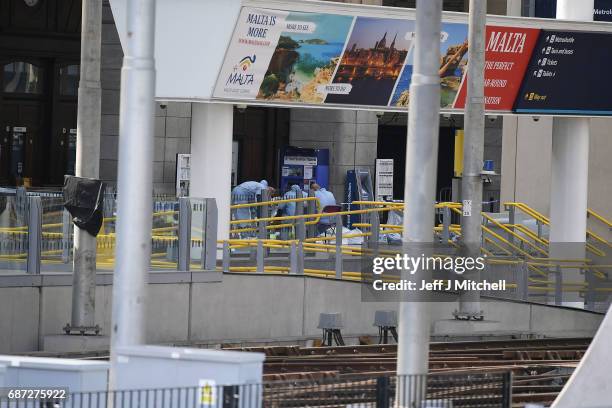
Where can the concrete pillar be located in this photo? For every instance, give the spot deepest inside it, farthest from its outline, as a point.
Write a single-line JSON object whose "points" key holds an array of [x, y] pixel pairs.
{"points": [[570, 172], [211, 158]]}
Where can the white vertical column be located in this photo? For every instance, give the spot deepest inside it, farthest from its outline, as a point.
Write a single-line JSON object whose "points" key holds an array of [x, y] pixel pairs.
{"points": [[419, 196], [211, 158], [570, 171]]}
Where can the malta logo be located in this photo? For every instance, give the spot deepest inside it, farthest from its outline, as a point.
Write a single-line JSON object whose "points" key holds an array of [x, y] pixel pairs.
{"points": [[240, 75], [247, 61]]}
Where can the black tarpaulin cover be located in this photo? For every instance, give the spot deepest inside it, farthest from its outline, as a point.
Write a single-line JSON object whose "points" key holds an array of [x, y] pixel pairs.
{"points": [[83, 198]]}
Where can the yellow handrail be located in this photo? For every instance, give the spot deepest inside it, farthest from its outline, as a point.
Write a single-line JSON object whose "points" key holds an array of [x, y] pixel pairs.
{"points": [[599, 217]]}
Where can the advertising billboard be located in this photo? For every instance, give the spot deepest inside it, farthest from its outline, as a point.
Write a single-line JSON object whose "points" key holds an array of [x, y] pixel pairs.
{"points": [[344, 61], [567, 74]]}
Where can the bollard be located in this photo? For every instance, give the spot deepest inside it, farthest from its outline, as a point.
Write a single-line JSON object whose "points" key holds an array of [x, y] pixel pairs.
{"points": [[209, 237], [184, 234], [260, 256], [339, 247], [226, 257], [66, 236], [34, 235]]}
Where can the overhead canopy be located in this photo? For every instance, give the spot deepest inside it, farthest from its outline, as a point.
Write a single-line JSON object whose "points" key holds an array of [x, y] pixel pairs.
{"points": [[336, 55]]}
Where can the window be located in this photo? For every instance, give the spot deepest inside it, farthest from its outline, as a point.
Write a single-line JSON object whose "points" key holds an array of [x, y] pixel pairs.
{"points": [[22, 77], [69, 80]]}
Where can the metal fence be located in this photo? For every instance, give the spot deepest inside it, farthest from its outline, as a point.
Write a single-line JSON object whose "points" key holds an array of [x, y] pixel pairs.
{"points": [[489, 390]]}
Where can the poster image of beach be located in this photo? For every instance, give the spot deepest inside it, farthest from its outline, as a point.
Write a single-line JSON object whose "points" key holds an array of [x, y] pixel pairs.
{"points": [[453, 65], [305, 57], [373, 59]]}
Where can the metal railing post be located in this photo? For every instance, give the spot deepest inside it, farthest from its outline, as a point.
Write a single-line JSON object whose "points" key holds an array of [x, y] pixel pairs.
{"points": [[382, 392], [66, 233], [511, 221], [300, 227], [264, 212], [34, 235], [374, 231], [184, 234], [209, 238], [590, 294], [446, 223], [293, 258], [311, 209], [558, 286], [300, 258], [523, 281], [339, 246], [226, 257], [260, 256]]}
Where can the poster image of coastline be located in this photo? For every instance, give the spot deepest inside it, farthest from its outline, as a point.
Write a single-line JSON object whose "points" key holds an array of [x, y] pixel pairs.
{"points": [[303, 61], [373, 60], [453, 65]]}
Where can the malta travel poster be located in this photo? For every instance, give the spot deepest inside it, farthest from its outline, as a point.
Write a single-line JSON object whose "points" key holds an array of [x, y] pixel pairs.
{"points": [[372, 61], [453, 63], [246, 60], [305, 57], [507, 53]]}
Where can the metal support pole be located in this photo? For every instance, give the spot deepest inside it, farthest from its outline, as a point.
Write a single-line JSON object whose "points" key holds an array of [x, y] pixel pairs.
{"points": [[66, 236], [87, 159], [338, 257], [135, 181], [184, 234], [34, 235], [473, 152], [209, 238], [420, 186], [264, 212]]}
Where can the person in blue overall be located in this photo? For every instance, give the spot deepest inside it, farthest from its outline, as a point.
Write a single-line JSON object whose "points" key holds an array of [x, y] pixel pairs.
{"points": [[244, 193], [326, 198], [289, 208]]}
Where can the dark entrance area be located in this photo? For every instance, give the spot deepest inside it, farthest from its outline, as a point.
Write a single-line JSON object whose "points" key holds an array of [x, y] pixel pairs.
{"points": [[39, 74], [392, 145]]}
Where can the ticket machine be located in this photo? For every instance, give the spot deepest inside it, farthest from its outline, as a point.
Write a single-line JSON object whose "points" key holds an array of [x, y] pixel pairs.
{"points": [[303, 166]]}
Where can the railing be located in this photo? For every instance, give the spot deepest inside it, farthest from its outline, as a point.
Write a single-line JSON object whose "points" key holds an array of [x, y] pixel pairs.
{"points": [[491, 390]]}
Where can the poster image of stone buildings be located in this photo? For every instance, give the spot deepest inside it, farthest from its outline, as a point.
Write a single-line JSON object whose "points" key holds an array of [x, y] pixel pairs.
{"points": [[372, 61], [304, 61], [453, 64]]}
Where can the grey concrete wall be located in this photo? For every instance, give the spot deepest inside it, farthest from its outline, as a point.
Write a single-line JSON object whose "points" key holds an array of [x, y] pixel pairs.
{"points": [[172, 124], [350, 136], [248, 308]]}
